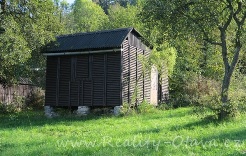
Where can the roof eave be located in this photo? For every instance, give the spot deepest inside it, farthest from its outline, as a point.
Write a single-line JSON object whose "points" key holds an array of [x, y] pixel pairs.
{"points": [[81, 52]]}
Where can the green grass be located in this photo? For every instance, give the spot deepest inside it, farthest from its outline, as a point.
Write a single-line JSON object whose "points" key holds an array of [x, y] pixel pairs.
{"points": [[172, 132]]}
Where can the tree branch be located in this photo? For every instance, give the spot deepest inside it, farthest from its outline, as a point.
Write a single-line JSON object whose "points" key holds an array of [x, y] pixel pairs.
{"points": [[224, 49], [207, 38], [235, 57], [243, 18], [212, 42], [239, 9], [227, 23]]}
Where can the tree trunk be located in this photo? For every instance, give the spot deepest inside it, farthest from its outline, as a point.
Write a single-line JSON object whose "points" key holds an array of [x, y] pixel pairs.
{"points": [[229, 69], [225, 88]]}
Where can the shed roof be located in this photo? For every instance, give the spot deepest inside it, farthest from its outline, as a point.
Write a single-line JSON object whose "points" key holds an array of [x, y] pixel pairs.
{"points": [[107, 39]]}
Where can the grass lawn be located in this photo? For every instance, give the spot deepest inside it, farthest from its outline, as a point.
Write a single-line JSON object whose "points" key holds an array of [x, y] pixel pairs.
{"points": [[172, 132]]}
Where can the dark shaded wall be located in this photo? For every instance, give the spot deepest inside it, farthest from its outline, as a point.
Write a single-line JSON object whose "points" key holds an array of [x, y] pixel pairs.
{"points": [[84, 80]]}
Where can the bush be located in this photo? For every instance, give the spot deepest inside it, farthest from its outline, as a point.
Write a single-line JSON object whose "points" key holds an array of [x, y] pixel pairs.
{"points": [[146, 107], [142, 108], [17, 105], [165, 106], [214, 105], [127, 109], [211, 101], [35, 99]]}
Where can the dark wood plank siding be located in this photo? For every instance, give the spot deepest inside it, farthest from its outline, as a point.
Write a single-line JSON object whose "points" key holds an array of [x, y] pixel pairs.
{"points": [[140, 83], [101, 79], [87, 93], [82, 67], [98, 79], [51, 81], [88, 80], [64, 81], [135, 85], [113, 77], [147, 83], [84, 63], [74, 93], [125, 72], [133, 72], [163, 90]]}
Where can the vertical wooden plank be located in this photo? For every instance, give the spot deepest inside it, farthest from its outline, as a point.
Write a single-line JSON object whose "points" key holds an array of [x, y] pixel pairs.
{"points": [[57, 81], [105, 80], [129, 73], [92, 88], [82, 93]]}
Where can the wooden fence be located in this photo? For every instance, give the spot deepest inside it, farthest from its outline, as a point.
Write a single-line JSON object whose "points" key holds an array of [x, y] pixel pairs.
{"points": [[7, 94]]}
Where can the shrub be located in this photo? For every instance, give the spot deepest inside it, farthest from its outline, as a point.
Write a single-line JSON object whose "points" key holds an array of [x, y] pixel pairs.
{"points": [[35, 99], [165, 106], [213, 104], [143, 107], [127, 109], [17, 105], [211, 100], [146, 107]]}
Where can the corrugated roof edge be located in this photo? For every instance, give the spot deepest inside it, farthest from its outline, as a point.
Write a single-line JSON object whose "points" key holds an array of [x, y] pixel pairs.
{"points": [[129, 29], [144, 40], [100, 31]]}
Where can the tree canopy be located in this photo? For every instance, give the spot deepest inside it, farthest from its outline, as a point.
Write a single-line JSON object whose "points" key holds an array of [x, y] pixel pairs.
{"points": [[28, 26], [88, 16], [218, 23]]}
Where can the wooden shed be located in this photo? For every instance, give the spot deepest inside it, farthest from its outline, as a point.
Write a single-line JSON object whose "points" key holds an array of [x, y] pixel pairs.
{"points": [[100, 68]]}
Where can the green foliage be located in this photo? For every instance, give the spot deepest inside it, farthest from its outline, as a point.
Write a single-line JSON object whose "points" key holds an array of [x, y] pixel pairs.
{"points": [[127, 110], [17, 105], [208, 36], [14, 50], [164, 59], [121, 17], [28, 26], [142, 108], [219, 110], [237, 90], [146, 107], [210, 99], [88, 16], [106, 4], [35, 99], [165, 106]]}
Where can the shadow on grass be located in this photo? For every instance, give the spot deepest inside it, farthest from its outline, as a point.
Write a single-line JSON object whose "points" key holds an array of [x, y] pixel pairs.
{"points": [[192, 125], [234, 136], [234, 139], [36, 118], [178, 113], [172, 113]]}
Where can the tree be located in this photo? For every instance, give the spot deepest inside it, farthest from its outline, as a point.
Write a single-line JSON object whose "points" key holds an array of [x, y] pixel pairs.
{"points": [[88, 16], [219, 23], [28, 26], [121, 17], [105, 4]]}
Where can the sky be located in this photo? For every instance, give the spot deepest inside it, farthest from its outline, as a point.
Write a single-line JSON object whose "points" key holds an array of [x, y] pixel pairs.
{"points": [[70, 1]]}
